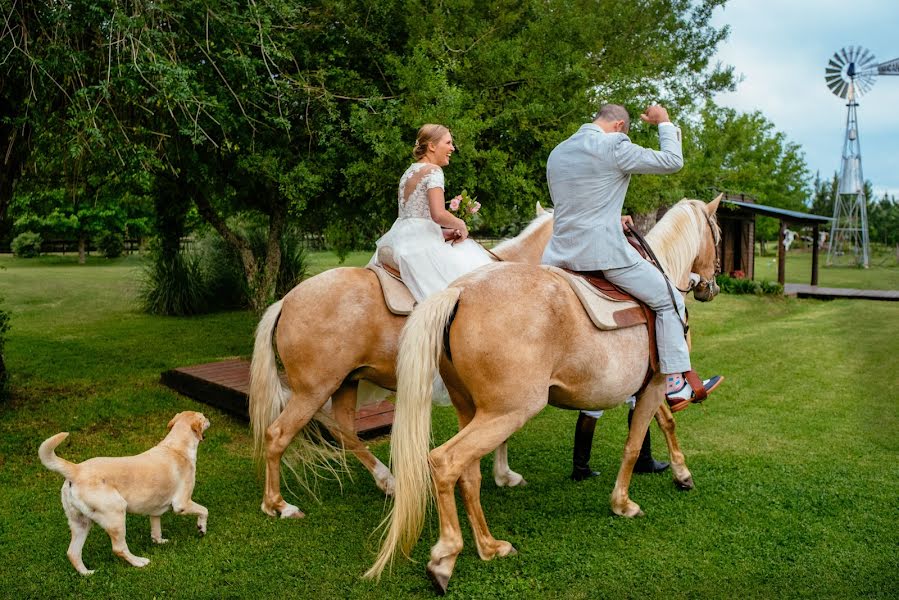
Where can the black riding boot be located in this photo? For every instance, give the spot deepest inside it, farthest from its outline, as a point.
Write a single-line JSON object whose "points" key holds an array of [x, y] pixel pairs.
{"points": [[583, 443], [645, 462]]}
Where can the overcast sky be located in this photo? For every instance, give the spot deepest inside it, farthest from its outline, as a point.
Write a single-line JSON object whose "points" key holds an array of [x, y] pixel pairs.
{"points": [[781, 49]]}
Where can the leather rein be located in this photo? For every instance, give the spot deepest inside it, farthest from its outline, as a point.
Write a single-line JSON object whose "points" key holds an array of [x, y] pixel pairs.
{"points": [[655, 261]]}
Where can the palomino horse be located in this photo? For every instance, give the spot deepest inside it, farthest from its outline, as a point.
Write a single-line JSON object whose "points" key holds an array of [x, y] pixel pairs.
{"points": [[334, 330], [517, 338]]}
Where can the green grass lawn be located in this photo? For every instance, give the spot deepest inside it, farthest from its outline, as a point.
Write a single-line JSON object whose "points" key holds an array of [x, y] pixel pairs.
{"points": [[795, 458], [882, 274]]}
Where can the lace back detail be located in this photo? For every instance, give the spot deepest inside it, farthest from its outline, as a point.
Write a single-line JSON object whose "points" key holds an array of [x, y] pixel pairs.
{"points": [[414, 180], [413, 190]]}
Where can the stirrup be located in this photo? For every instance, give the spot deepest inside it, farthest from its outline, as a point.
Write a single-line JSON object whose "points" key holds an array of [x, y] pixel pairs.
{"points": [[701, 390]]}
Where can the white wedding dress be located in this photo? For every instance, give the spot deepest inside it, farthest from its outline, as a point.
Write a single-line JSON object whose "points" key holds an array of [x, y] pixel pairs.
{"points": [[427, 263], [415, 245]]}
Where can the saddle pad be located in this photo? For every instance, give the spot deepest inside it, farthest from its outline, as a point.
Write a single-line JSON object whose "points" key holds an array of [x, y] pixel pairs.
{"points": [[606, 313], [397, 296]]}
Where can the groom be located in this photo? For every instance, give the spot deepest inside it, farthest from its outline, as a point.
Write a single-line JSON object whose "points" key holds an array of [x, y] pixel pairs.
{"points": [[588, 176]]}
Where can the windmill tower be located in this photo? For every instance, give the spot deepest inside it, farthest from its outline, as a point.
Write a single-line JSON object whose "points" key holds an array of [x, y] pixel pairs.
{"points": [[849, 74]]}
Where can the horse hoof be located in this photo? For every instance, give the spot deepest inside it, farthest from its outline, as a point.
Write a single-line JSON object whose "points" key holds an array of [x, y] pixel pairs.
{"points": [[438, 582], [292, 512], [630, 511], [685, 485], [511, 481]]}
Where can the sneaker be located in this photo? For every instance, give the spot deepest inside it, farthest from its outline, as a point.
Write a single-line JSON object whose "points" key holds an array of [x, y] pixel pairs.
{"points": [[681, 398]]}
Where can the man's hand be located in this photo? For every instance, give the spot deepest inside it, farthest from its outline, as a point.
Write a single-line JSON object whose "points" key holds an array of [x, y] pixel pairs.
{"points": [[655, 114], [626, 221]]}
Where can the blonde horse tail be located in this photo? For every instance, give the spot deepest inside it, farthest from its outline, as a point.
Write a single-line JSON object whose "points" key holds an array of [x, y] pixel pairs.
{"points": [[53, 462], [421, 345], [268, 396]]}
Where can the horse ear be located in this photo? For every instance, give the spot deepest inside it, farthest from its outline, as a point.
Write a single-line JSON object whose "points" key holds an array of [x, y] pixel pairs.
{"points": [[712, 206], [540, 210]]}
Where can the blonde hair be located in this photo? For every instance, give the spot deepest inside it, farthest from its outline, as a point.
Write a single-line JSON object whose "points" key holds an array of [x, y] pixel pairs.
{"points": [[428, 133]]}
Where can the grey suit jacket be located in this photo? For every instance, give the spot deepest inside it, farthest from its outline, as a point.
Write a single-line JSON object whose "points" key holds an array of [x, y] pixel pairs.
{"points": [[588, 175]]}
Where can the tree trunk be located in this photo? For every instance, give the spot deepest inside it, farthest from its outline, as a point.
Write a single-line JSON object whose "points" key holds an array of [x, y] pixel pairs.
{"points": [[82, 246], [266, 291]]}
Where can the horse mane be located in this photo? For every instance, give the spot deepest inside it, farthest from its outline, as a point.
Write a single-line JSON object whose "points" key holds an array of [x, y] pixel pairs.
{"points": [[677, 237], [515, 244]]}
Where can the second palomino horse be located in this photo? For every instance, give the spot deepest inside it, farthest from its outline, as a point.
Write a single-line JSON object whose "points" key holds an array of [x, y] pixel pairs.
{"points": [[518, 338], [334, 330]]}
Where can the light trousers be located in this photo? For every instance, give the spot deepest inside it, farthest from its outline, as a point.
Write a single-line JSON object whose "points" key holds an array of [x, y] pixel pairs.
{"points": [[646, 283]]}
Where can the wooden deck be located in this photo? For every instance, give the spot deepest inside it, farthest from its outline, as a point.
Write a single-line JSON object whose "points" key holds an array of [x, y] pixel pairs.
{"points": [[226, 385], [798, 290]]}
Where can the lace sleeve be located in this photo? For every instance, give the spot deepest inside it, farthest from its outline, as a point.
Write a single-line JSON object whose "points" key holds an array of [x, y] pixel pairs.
{"points": [[434, 179]]}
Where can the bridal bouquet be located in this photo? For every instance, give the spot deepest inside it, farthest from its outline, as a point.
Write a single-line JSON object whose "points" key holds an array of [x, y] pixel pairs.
{"points": [[465, 207]]}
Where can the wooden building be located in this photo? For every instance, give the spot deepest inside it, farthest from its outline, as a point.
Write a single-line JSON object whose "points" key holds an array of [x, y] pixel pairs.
{"points": [[736, 217]]}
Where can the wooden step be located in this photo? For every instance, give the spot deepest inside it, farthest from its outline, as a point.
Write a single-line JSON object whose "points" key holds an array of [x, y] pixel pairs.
{"points": [[226, 385]]}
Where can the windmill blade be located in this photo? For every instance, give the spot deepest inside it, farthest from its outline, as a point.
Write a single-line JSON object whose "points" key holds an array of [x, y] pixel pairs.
{"points": [[842, 89], [866, 60], [845, 54]]}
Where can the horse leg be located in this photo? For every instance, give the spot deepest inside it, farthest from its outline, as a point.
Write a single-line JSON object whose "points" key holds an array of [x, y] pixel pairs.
{"points": [[343, 406], [296, 415], [470, 485], [646, 407], [503, 475], [448, 462], [682, 477]]}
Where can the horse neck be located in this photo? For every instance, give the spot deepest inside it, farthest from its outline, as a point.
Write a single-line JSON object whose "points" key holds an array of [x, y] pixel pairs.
{"points": [[527, 246], [676, 242]]}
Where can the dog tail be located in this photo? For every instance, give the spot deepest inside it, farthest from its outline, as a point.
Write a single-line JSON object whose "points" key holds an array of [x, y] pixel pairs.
{"points": [[53, 462]]}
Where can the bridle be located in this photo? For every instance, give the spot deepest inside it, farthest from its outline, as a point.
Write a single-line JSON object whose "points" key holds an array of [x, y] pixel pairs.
{"points": [[706, 283], [701, 283]]}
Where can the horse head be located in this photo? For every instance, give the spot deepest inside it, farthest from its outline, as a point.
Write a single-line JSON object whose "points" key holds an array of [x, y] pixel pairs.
{"points": [[686, 243], [707, 263]]}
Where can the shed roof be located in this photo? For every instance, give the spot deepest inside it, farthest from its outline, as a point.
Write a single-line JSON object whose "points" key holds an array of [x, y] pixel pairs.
{"points": [[778, 213]]}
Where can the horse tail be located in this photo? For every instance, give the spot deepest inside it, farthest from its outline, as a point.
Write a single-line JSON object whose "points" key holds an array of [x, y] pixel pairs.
{"points": [[421, 345], [51, 461], [268, 396]]}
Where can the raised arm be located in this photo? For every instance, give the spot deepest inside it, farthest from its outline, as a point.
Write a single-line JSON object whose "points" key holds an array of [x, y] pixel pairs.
{"points": [[669, 159]]}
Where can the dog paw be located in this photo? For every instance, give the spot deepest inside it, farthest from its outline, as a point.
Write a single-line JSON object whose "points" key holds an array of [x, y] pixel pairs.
{"points": [[201, 528], [140, 561], [160, 540]]}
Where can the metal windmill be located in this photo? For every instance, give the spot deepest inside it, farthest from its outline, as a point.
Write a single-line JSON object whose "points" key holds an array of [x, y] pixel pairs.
{"points": [[850, 73]]}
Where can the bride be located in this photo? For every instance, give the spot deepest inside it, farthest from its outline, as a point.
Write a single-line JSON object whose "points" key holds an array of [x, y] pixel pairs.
{"points": [[427, 244]]}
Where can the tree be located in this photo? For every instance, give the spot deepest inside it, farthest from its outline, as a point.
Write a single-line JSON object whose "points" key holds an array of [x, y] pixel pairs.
{"points": [[306, 111], [883, 220]]}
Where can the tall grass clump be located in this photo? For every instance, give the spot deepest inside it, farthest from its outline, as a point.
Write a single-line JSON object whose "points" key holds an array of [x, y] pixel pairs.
{"points": [[210, 275], [173, 285], [226, 279]]}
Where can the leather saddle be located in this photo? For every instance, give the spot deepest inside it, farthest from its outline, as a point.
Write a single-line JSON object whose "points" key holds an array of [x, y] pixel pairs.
{"points": [[397, 296], [611, 308]]}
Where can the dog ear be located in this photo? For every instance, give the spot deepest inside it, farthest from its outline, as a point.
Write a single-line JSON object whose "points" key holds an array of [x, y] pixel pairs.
{"points": [[172, 422], [197, 426]]}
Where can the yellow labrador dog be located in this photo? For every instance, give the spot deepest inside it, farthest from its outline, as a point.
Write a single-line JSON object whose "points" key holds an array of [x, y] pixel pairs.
{"points": [[102, 490]]}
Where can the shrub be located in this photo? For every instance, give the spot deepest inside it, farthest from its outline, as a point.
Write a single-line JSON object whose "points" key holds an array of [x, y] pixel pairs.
{"points": [[27, 245], [223, 270], [733, 285], [111, 244], [173, 286], [210, 275]]}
